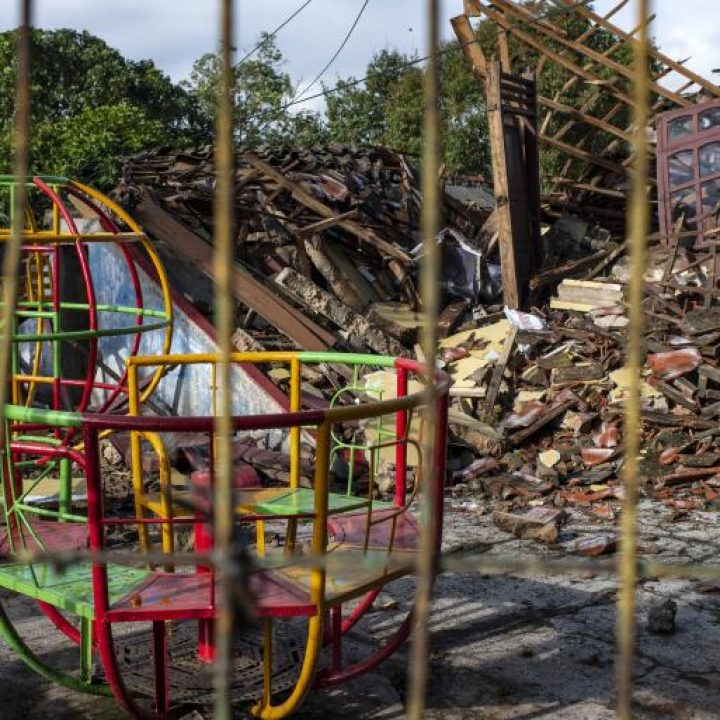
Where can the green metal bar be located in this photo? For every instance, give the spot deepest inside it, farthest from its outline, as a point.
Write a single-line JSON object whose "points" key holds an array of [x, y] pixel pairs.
{"points": [[36, 480], [38, 438], [126, 309], [86, 650], [53, 418], [12, 180], [15, 643], [34, 314], [90, 334], [65, 505], [347, 358], [34, 510]]}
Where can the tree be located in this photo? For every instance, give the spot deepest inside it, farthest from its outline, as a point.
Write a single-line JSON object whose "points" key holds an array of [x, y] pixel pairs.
{"points": [[90, 106], [89, 144], [387, 109], [262, 91]]}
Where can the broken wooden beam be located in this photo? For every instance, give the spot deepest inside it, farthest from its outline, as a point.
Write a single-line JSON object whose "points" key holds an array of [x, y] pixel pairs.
{"points": [[359, 332], [251, 292]]}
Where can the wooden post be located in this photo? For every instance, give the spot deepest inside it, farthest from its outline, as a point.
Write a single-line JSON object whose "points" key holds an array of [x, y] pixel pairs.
{"points": [[511, 291]]}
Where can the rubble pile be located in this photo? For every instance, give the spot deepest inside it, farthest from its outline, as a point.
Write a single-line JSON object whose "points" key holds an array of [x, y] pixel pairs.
{"points": [[332, 231], [537, 397], [559, 409]]}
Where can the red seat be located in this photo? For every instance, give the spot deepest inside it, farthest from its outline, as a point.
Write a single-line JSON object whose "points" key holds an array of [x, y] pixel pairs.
{"points": [[390, 528], [176, 596], [53, 536]]}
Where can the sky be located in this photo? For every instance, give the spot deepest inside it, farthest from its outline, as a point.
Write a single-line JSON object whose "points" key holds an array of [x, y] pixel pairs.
{"points": [[174, 33]]}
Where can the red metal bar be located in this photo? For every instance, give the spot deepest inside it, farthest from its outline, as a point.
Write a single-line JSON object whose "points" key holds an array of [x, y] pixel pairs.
{"points": [[102, 623], [204, 543], [401, 422], [359, 610], [22, 447], [60, 621], [92, 342], [438, 473], [203, 424], [350, 673], [336, 636]]}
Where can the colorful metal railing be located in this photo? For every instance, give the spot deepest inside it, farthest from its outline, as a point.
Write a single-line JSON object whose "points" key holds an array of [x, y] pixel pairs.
{"points": [[358, 545]]}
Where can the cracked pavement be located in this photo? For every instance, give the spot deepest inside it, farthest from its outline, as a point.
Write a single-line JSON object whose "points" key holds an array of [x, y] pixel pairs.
{"points": [[502, 647]]}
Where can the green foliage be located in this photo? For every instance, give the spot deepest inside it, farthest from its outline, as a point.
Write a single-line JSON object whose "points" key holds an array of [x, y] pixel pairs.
{"points": [[90, 105], [89, 144], [262, 90], [388, 108]]}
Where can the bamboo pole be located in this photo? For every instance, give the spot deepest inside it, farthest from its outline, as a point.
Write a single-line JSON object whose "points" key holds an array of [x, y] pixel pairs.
{"points": [[638, 225], [223, 262], [426, 562], [11, 260]]}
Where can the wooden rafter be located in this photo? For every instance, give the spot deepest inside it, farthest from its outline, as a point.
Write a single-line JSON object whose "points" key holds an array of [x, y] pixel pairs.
{"points": [[654, 54], [526, 16]]}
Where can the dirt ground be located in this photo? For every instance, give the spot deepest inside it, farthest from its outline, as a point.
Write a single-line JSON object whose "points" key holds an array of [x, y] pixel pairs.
{"points": [[503, 648]]}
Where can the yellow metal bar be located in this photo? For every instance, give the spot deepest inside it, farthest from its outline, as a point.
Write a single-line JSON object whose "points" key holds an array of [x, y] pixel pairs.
{"points": [[252, 358], [430, 300], [295, 396], [136, 459], [50, 237], [317, 587], [259, 535], [637, 231], [40, 379], [11, 260]]}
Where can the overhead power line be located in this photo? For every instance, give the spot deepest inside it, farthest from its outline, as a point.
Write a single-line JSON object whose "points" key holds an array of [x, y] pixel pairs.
{"points": [[557, 10], [337, 52], [272, 34]]}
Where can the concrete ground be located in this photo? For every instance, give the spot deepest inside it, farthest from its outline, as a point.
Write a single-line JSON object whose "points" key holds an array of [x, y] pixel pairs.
{"points": [[502, 648]]}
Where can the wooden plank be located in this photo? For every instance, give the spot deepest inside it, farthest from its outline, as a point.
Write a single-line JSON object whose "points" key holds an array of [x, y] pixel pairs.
{"points": [[359, 331], [246, 288], [339, 284], [471, 47], [598, 57], [655, 54], [323, 225], [584, 155], [541, 422], [504, 51], [498, 371], [451, 314], [531, 41], [302, 196], [473, 52]]}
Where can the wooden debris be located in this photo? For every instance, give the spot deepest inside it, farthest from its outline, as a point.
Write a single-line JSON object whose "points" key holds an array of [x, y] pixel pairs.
{"points": [[540, 523], [359, 332]]}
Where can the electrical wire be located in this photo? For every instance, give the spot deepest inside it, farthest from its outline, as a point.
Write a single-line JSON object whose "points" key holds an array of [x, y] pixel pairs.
{"points": [[272, 34], [347, 37], [417, 61]]}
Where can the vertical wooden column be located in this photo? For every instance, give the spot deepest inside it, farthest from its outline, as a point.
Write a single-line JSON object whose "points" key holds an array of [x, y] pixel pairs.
{"points": [[511, 291], [512, 121]]}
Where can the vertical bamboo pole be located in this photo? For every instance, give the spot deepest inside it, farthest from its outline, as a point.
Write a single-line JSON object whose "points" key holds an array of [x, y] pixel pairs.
{"points": [[223, 256], [11, 260], [430, 302], [638, 220]]}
